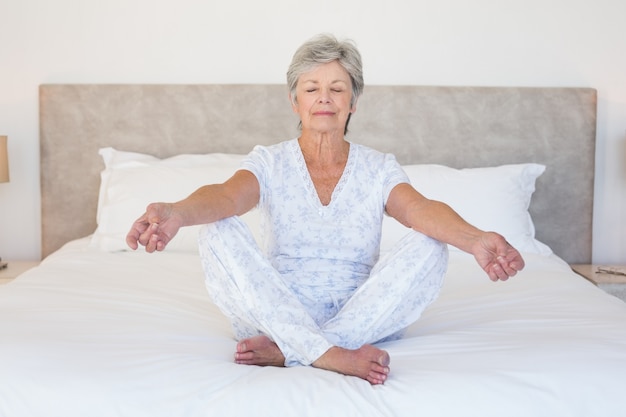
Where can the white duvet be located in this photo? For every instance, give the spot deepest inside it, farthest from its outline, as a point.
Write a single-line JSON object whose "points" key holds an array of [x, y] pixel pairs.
{"points": [[90, 333]]}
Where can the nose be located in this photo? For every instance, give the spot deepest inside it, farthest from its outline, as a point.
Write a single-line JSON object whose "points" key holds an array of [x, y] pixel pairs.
{"points": [[324, 96]]}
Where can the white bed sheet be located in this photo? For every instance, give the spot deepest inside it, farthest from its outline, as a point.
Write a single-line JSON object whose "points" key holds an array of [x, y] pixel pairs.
{"points": [[91, 333]]}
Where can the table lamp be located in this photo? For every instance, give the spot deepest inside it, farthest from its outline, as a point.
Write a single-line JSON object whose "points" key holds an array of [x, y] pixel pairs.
{"points": [[4, 160], [4, 172]]}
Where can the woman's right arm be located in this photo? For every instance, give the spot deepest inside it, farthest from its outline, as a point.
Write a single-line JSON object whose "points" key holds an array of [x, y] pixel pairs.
{"points": [[161, 221]]}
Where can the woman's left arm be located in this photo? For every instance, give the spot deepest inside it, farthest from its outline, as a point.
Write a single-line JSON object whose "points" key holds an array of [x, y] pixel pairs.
{"points": [[439, 221]]}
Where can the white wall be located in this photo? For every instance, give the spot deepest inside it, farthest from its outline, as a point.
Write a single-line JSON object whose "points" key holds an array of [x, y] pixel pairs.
{"points": [[443, 42]]}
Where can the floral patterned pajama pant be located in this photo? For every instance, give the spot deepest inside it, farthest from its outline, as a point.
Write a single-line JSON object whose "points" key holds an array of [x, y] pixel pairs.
{"points": [[257, 299]]}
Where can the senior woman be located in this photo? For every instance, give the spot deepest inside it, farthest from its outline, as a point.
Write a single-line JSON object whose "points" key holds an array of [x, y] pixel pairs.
{"points": [[318, 294]]}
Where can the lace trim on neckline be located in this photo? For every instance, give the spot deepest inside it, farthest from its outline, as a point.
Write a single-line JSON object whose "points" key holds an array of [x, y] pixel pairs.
{"points": [[308, 182]]}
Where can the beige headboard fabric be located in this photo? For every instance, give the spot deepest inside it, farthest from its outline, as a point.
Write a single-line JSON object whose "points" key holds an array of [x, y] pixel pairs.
{"points": [[455, 126]]}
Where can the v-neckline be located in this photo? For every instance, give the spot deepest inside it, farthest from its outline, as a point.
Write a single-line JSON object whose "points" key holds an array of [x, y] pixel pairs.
{"points": [[308, 181]]}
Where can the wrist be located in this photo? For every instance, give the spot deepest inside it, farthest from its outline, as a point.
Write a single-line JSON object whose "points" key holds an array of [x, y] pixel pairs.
{"points": [[177, 215]]}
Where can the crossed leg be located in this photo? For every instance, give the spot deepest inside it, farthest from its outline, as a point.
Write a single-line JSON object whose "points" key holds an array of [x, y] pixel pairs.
{"points": [[243, 284]]}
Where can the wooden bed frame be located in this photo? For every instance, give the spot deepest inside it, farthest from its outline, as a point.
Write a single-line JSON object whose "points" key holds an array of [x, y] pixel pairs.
{"points": [[455, 126]]}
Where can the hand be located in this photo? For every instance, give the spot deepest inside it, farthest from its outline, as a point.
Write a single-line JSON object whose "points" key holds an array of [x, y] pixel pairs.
{"points": [[497, 257], [155, 228]]}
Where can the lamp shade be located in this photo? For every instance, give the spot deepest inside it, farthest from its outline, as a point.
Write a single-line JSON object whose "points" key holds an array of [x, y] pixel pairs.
{"points": [[4, 160]]}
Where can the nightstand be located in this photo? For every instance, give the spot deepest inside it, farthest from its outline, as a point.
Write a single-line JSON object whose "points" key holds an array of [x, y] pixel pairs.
{"points": [[14, 269], [611, 283]]}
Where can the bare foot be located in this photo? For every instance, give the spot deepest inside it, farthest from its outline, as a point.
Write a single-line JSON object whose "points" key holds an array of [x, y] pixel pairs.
{"points": [[367, 362], [259, 350]]}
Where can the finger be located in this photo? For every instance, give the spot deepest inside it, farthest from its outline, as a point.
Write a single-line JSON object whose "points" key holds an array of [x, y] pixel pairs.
{"points": [[151, 244], [492, 274], [161, 239], [498, 273], [244, 356], [146, 234], [160, 245], [507, 267], [149, 238], [517, 263], [131, 239], [139, 226], [511, 261], [514, 262]]}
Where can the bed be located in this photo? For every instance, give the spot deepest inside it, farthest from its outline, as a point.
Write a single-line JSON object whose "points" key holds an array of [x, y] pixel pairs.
{"points": [[98, 330]]}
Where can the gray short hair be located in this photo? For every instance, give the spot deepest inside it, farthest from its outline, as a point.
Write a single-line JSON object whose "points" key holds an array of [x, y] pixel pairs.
{"points": [[323, 49]]}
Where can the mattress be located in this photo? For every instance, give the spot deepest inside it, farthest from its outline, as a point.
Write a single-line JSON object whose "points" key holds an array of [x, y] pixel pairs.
{"points": [[120, 333]]}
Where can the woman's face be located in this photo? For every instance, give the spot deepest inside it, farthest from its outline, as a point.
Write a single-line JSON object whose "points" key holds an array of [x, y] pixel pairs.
{"points": [[323, 98]]}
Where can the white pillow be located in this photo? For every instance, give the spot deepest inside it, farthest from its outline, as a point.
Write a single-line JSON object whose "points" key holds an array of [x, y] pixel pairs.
{"points": [[130, 181], [492, 199]]}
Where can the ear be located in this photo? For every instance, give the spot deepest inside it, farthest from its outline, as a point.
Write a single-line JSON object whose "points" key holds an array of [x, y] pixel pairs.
{"points": [[353, 108], [294, 103]]}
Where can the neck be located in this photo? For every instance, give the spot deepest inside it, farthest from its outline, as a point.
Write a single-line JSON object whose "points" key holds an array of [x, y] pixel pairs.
{"points": [[324, 149]]}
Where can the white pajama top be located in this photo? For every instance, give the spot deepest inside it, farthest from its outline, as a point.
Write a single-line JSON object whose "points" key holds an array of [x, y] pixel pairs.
{"points": [[316, 246]]}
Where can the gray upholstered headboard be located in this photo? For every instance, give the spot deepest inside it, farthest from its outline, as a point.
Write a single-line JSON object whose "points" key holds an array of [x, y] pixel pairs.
{"points": [[454, 126]]}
